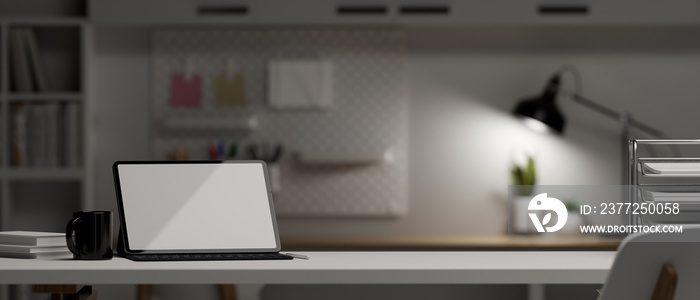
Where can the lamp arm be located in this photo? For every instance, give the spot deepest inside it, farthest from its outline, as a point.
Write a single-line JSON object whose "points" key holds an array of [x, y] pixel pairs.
{"points": [[648, 129], [626, 121], [615, 114]]}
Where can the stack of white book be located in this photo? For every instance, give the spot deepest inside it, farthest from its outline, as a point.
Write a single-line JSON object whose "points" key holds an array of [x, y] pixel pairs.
{"points": [[33, 244]]}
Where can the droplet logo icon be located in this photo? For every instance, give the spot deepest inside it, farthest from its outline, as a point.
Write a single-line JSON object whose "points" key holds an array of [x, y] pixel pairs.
{"points": [[542, 203]]}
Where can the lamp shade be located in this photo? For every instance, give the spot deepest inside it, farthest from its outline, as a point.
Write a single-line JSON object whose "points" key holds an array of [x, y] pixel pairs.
{"points": [[543, 108]]}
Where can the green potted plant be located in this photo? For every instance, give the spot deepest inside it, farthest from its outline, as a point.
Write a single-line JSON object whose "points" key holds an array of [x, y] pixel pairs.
{"points": [[524, 177]]}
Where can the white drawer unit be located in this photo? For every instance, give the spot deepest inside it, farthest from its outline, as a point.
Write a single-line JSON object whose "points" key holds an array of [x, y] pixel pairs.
{"points": [[665, 174]]}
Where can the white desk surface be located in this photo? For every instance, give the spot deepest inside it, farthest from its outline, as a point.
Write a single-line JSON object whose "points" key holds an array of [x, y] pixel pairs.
{"points": [[505, 267]]}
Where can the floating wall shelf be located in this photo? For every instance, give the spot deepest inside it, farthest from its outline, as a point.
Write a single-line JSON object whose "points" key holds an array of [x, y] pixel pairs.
{"points": [[349, 156], [216, 123]]}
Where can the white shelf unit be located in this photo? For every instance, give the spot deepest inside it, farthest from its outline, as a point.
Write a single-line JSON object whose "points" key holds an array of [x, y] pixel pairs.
{"points": [[44, 197]]}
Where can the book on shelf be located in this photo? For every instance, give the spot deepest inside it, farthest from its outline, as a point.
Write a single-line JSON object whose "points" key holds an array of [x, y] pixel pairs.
{"points": [[21, 77], [46, 134], [37, 135], [32, 238], [19, 135], [36, 63], [35, 140], [28, 68], [53, 130], [71, 131]]}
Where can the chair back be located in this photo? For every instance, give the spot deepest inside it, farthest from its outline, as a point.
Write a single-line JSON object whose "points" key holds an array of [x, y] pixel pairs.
{"points": [[641, 257]]}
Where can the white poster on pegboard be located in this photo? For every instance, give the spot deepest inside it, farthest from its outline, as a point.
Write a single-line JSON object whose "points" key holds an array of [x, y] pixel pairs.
{"points": [[336, 106]]}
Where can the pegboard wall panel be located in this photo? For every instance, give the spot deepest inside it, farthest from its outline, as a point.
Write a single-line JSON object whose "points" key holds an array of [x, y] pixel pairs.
{"points": [[369, 111]]}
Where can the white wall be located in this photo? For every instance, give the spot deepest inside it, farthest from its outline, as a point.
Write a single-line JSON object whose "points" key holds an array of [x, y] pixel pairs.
{"points": [[462, 86], [121, 104]]}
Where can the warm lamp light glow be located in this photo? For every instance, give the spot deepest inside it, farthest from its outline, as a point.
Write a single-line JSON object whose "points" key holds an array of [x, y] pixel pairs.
{"points": [[535, 125]]}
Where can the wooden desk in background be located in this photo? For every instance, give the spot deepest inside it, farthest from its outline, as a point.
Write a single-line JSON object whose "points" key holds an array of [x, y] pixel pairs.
{"points": [[447, 243]]}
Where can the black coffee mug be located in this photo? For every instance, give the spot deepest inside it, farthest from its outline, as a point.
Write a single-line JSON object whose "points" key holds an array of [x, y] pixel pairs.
{"points": [[93, 235]]}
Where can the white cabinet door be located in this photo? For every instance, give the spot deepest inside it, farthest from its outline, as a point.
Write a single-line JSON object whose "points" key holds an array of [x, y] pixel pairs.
{"points": [[579, 12], [648, 12], [146, 12], [398, 12]]}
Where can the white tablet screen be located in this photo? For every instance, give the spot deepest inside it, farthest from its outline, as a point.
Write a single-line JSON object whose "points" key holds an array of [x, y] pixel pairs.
{"points": [[196, 206]]}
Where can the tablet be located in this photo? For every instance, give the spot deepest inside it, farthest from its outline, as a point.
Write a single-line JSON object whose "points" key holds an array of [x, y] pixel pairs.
{"points": [[195, 207]]}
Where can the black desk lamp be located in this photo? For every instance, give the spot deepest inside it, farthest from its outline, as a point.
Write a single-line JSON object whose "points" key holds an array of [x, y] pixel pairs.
{"points": [[541, 113]]}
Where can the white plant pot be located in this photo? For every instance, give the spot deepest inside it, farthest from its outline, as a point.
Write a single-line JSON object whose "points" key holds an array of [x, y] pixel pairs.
{"points": [[520, 219], [573, 223]]}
